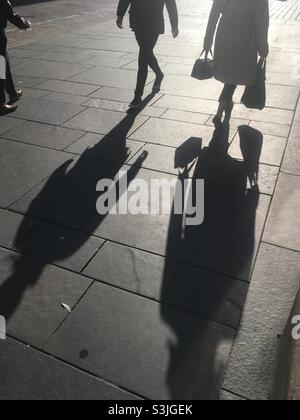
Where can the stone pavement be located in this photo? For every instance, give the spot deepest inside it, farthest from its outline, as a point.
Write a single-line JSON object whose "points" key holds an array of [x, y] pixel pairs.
{"points": [[126, 307]]}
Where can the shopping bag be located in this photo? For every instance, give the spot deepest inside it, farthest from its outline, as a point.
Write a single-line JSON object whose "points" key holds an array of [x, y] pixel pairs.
{"points": [[255, 96]]}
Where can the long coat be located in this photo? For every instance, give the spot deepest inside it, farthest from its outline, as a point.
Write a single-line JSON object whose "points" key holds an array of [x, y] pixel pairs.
{"points": [[148, 15], [242, 35]]}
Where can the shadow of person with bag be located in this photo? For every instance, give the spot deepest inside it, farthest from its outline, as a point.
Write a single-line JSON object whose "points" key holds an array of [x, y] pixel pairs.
{"points": [[61, 206], [216, 263]]}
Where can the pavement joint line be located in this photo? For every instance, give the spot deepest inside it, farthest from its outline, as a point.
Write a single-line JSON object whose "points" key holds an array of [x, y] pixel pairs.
{"points": [[114, 286], [280, 246], [233, 393], [41, 220], [73, 366]]}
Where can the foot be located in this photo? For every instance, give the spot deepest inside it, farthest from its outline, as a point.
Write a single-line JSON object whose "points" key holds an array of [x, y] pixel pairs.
{"points": [[217, 120], [136, 103], [158, 81], [16, 98], [7, 109]]}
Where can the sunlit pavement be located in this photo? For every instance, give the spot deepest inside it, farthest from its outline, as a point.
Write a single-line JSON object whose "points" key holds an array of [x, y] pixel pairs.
{"points": [[126, 306]]}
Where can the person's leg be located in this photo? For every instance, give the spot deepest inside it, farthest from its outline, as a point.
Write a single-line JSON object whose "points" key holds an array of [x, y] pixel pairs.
{"points": [[227, 94], [2, 67], [225, 104], [142, 40], [9, 85], [2, 93]]}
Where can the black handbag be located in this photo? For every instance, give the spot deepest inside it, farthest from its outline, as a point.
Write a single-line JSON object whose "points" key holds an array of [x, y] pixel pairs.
{"points": [[255, 96], [204, 67]]}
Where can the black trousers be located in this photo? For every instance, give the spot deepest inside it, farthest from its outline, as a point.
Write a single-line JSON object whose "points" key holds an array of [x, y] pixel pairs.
{"points": [[227, 93], [147, 42], [6, 85]]}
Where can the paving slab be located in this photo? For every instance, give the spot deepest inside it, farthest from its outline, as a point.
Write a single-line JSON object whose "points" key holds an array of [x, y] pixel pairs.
{"points": [[272, 147], [74, 57], [44, 135], [172, 133], [170, 160], [28, 81], [271, 295], [149, 335], [105, 76], [60, 86], [51, 70], [68, 197], [106, 122], [21, 378], [104, 147], [8, 124], [63, 247], [189, 117], [180, 103], [243, 215], [31, 165], [132, 270], [65, 98], [291, 162], [207, 294], [228, 171], [46, 111], [32, 295], [10, 223], [277, 130], [284, 214]]}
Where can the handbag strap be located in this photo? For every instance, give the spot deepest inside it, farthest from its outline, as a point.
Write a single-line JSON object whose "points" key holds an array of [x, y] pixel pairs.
{"points": [[206, 54]]}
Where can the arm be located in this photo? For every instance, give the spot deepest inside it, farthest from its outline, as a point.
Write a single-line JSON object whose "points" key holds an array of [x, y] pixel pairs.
{"points": [[262, 21], [122, 9], [13, 17], [217, 9], [173, 14]]}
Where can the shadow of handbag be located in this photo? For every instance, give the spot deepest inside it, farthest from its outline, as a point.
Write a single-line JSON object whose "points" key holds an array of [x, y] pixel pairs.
{"points": [[255, 96], [204, 67]]}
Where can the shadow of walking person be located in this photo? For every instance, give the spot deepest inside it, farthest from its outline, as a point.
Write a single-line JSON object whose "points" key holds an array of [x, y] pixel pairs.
{"points": [[217, 259], [62, 205]]}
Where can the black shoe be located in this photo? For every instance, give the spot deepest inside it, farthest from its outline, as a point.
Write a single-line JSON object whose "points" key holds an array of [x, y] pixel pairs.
{"points": [[16, 98], [158, 81], [7, 109], [136, 103]]}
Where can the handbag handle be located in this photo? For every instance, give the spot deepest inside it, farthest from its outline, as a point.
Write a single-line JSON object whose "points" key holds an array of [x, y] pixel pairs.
{"points": [[206, 54]]}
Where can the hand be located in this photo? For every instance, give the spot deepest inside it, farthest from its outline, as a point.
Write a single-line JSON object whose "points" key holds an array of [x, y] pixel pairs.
{"points": [[120, 22], [175, 32], [264, 53], [26, 24]]}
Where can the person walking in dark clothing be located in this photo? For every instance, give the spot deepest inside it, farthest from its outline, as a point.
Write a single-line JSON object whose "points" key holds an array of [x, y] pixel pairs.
{"points": [[6, 81], [147, 22], [240, 29]]}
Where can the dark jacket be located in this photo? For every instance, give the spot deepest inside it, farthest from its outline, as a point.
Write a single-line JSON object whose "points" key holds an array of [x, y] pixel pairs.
{"points": [[148, 15], [7, 14]]}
